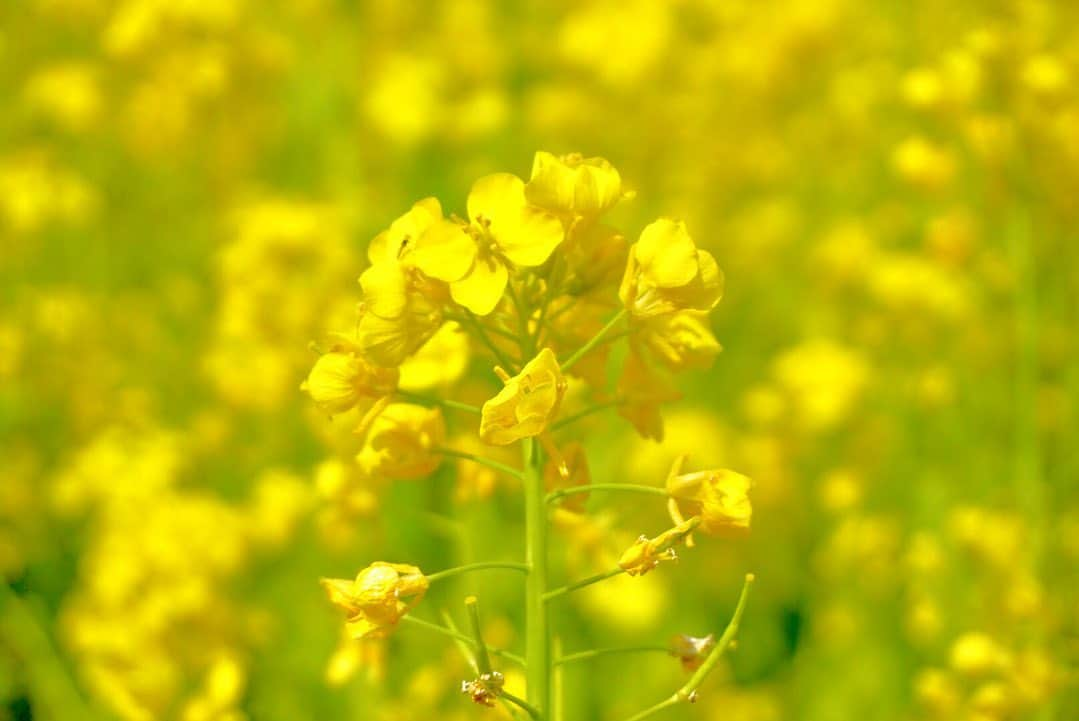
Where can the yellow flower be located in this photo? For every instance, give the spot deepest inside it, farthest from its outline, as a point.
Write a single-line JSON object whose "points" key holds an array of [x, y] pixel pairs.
{"points": [[681, 340], [423, 239], [341, 378], [692, 650], [506, 230], [666, 273], [400, 312], [576, 462], [719, 497], [526, 404], [642, 391], [379, 597], [647, 553], [573, 185], [402, 442], [441, 361]]}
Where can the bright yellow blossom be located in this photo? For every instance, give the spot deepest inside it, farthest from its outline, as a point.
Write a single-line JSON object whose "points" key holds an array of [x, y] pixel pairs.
{"points": [[379, 597], [400, 313], [506, 231], [666, 273], [342, 377], [681, 340], [572, 185], [719, 497], [402, 442], [526, 404]]}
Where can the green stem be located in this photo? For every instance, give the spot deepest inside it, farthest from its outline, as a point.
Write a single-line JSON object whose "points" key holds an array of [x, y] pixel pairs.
{"points": [[621, 487], [490, 329], [582, 583], [482, 333], [688, 692], [525, 340], [46, 674], [468, 568], [537, 640], [665, 703], [483, 659], [562, 422], [596, 340], [460, 637], [597, 652], [445, 403], [531, 710], [722, 644], [508, 470]]}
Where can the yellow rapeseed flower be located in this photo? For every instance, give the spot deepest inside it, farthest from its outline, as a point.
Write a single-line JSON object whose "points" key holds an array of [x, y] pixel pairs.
{"points": [[506, 231], [681, 340], [526, 404], [572, 185], [719, 497], [666, 272], [379, 597], [342, 377], [402, 442]]}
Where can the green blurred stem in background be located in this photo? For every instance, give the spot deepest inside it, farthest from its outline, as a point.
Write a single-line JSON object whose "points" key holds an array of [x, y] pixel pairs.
{"points": [[482, 565], [622, 487], [45, 672], [596, 340], [688, 692], [582, 583], [460, 637], [501, 467], [597, 652]]}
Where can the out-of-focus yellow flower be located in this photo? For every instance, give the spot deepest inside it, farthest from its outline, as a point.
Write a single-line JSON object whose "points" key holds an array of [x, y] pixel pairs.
{"points": [[923, 163], [442, 360], [351, 655], [667, 273], [342, 377], [69, 94], [402, 442], [647, 553], [576, 462], [572, 185], [719, 497], [977, 654], [526, 404], [692, 650], [378, 599], [681, 340], [642, 391]]}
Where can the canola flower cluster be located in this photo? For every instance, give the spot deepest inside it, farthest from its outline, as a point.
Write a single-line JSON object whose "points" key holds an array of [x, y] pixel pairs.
{"points": [[184, 191], [535, 279]]}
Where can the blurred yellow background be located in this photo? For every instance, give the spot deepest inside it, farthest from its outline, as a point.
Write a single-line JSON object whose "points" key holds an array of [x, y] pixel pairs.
{"points": [[187, 190]]}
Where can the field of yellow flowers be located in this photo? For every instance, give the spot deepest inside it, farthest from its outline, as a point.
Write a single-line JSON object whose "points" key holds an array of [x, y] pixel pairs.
{"points": [[553, 360]]}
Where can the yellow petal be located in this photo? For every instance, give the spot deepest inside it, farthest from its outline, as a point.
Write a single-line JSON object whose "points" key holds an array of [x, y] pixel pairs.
{"points": [[481, 289], [530, 238], [340, 592], [384, 290], [444, 251], [666, 253], [495, 197]]}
